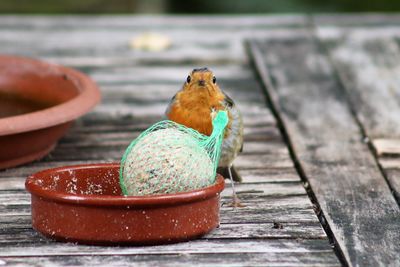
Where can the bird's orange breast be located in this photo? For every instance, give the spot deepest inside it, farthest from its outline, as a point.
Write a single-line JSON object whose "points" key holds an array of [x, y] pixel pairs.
{"points": [[194, 111], [199, 120]]}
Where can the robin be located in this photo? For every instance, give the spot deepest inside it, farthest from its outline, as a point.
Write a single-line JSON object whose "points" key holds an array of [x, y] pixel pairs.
{"points": [[195, 105]]}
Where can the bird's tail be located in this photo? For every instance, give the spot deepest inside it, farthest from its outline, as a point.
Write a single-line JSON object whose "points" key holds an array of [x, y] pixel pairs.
{"points": [[224, 171]]}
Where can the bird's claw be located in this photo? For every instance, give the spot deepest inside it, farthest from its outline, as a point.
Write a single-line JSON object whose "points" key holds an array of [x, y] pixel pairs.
{"points": [[236, 203]]}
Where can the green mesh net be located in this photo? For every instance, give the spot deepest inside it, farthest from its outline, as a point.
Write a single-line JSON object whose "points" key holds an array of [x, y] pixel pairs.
{"points": [[169, 158]]}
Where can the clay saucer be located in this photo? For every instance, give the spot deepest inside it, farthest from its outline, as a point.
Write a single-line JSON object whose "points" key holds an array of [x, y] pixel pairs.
{"points": [[38, 102], [84, 204]]}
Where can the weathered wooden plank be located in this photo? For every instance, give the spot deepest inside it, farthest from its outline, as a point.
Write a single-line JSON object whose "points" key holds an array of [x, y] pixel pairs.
{"points": [[214, 246], [226, 231], [391, 166], [369, 20], [313, 258], [390, 163], [145, 21], [327, 143], [393, 175], [269, 174], [386, 147], [373, 89], [66, 46], [334, 33]]}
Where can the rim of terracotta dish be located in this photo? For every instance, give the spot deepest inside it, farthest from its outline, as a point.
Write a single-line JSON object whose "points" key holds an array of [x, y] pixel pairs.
{"points": [[87, 98], [134, 201]]}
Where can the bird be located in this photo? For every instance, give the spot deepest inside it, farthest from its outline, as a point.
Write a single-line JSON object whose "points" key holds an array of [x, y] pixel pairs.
{"points": [[196, 104]]}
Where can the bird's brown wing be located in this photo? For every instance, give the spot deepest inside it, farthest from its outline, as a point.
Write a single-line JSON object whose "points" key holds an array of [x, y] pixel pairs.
{"points": [[171, 103], [228, 102], [233, 143]]}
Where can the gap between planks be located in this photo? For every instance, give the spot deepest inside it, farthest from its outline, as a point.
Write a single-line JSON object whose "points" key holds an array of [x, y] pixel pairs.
{"points": [[314, 140]]}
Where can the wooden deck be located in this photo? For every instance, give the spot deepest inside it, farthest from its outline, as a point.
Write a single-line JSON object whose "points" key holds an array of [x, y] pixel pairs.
{"points": [[321, 162]]}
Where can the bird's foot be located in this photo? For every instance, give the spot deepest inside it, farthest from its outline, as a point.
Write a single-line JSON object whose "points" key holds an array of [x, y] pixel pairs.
{"points": [[236, 203]]}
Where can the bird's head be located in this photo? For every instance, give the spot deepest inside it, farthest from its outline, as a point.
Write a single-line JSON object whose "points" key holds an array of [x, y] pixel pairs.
{"points": [[201, 81]]}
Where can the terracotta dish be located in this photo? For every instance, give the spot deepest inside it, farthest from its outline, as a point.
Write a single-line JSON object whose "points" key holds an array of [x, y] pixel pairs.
{"points": [[84, 204], [38, 102]]}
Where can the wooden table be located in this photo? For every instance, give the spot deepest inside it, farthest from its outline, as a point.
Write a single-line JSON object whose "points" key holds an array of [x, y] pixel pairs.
{"points": [[321, 162]]}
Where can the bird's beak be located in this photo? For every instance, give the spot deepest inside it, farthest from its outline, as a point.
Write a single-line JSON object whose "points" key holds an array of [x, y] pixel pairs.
{"points": [[202, 82]]}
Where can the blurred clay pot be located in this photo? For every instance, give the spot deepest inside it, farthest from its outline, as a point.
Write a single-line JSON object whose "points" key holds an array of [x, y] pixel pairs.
{"points": [[38, 102]]}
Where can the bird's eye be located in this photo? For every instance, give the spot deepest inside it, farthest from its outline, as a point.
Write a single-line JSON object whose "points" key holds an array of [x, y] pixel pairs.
{"points": [[188, 79], [214, 79]]}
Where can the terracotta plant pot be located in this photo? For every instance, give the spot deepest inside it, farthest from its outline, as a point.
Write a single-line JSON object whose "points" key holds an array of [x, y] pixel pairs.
{"points": [[38, 102], [84, 204]]}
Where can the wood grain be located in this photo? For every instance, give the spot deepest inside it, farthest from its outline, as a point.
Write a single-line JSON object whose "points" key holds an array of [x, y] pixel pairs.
{"points": [[370, 20], [387, 147], [327, 142], [373, 89], [307, 258], [82, 44], [48, 248]]}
